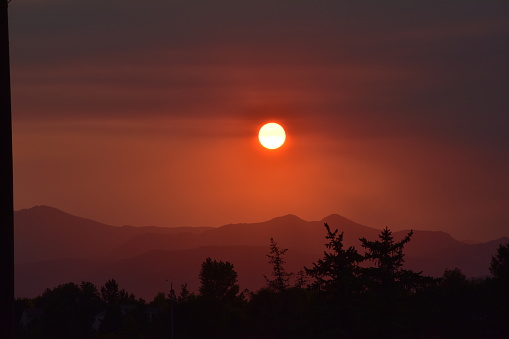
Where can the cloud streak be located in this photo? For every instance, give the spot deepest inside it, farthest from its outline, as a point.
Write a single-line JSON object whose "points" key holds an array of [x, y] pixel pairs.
{"points": [[385, 99]]}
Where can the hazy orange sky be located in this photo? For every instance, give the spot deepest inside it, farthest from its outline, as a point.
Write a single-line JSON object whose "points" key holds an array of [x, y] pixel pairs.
{"points": [[147, 113]]}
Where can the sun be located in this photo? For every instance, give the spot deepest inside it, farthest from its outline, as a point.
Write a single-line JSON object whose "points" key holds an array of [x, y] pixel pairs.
{"points": [[272, 135]]}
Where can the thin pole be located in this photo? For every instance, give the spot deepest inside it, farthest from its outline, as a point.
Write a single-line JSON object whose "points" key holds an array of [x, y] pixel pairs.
{"points": [[171, 306], [6, 184], [172, 299]]}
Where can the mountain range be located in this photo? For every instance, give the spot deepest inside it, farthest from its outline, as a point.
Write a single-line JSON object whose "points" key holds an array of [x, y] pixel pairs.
{"points": [[53, 247]]}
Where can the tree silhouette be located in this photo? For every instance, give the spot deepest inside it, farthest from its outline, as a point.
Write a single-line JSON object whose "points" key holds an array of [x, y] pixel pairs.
{"points": [[347, 299], [499, 296], [218, 305], [388, 286], [110, 293], [300, 279], [281, 278], [336, 285], [388, 258], [218, 280], [185, 295], [499, 266], [338, 271], [116, 299], [458, 305], [69, 310]]}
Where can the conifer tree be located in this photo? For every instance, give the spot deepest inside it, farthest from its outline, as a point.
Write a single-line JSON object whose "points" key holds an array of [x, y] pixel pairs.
{"points": [[388, 258], [499, 291], [499, 266], [338, 271], [281, 278], [185, 294]]}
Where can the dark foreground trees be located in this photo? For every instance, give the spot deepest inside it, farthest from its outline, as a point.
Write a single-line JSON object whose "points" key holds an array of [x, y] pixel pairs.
{"points": [[80, 311], [350, 294], [499, 286], [69, 310], [499, 266], [218, 281], [219, 303]]}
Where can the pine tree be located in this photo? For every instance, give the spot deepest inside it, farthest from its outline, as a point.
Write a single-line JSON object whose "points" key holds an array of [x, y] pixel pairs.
{"points": [[499, 266], [499, 292], [388, 258], [387, 285], [338, 271], [281, 278], [185, 294]]}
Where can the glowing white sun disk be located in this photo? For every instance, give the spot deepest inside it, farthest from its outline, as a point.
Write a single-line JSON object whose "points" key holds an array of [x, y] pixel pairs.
{"points": [[272, 135]]}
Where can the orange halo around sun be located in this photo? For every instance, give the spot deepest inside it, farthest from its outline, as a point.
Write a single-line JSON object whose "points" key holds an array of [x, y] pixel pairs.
{"points": [[272, 135]]}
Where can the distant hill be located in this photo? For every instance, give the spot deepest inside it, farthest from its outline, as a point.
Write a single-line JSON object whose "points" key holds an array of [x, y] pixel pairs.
{"points": [[44, 233], [54, 247]]}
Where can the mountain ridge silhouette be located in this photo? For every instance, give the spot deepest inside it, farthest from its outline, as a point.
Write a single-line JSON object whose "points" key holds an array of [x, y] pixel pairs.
{"points": [[55, 247]]}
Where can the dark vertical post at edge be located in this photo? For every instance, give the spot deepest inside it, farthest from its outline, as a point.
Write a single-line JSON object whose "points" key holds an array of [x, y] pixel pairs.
{"points": [[6, 184]]}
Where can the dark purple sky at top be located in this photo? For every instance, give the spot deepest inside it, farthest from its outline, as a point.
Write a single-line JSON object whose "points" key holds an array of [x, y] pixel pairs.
{"points": [[413, 94]]}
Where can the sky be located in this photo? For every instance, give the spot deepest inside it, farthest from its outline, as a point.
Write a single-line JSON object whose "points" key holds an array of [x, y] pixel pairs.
{"points": [[147, 112]]}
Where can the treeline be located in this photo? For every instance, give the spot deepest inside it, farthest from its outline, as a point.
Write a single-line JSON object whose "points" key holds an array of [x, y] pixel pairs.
{"points": [[345, 294]]}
